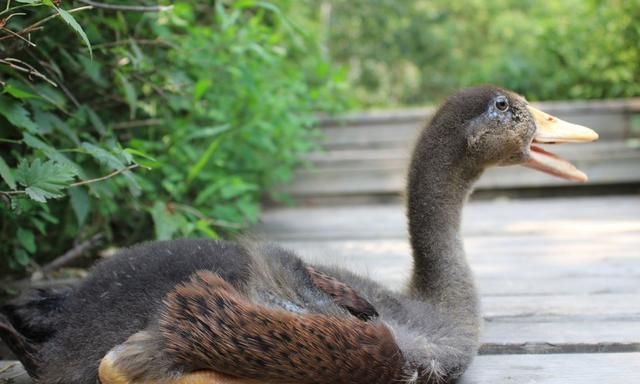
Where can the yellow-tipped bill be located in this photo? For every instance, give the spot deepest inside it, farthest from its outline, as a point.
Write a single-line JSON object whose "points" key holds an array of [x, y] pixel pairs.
{"points": [[551, 130]]}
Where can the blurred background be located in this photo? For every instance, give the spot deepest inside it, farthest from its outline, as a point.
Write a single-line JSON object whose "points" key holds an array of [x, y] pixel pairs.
{"points": [[121, 123]]}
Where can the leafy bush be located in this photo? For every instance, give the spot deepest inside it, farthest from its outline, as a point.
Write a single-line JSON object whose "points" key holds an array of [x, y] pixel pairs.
{"points": [[174, 125], [407, 52]]}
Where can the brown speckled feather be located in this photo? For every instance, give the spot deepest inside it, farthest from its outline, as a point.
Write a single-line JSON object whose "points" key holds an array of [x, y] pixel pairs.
{"points": [[207, 324], [343, 295]]}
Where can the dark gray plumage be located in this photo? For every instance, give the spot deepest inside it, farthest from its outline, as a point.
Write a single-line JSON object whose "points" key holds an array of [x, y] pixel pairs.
{"points": [[435, 324]]}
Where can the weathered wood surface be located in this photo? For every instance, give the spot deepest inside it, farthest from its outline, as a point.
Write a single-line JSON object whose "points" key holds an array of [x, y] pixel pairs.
{"points": [[578, 216], [11, 372], [597, 368]]}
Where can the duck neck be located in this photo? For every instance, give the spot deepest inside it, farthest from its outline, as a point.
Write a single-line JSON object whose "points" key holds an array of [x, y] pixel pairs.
{"points": [[437, 192]]}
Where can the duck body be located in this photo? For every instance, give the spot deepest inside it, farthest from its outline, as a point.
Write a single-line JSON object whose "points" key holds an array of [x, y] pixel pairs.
{"points": [[126, 294], [256, 312]]}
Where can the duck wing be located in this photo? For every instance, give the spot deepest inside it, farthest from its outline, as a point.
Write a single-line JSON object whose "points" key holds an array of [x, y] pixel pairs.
{"points": [[343, 295], [206, 324]]}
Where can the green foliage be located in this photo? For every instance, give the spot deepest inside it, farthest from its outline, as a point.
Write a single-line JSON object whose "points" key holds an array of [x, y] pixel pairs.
{"points": [[167, 124], [44, 181], [404, 52]]}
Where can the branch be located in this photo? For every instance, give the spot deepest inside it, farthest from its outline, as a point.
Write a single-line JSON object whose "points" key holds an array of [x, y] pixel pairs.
{"points": [[128, 8], [10, 32], [137, 41], [105, 177], [27, 69], [37, 24], [47, 68], [72, 254], [79, 183], [137, 124]]}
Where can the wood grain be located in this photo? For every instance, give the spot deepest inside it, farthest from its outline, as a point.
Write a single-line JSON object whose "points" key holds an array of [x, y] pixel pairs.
{"points": [[598, 368]]}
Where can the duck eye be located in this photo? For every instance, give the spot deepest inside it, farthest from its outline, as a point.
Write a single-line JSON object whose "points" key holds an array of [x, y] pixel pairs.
{"points": [[502, 103]]}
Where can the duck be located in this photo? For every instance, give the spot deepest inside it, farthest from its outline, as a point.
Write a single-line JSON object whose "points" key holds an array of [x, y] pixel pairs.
{"points": [[196, 311]]}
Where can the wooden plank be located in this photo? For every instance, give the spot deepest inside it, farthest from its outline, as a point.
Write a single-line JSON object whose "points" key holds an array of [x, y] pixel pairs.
{"points": [[524, 255], [555, 369], [545, 308], [390, 177], [397, 135], [561, 335], [546, 347], [547, 286], [517, 264], [588, 215], [11, 372]]}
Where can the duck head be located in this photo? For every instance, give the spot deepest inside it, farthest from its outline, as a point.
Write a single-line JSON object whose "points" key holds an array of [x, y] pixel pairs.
{"points": [[501, 128]]}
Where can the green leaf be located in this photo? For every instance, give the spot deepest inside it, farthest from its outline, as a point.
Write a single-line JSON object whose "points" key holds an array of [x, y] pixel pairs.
{"points": [[40, 225], [208, 132], [93, 69], [51, 152], [236, 187], [204, 227], [51, 219], [200, 88], [6, 174], [66, 16], [44, 181], [48, 150], [46, 121], [80, 204], [17, 115], [139, 153], [144, 159], [166, 223], [129, 94], [21, 257], [27, 240], [199, 165], [103, 156], [96, 121], [18, 93]]}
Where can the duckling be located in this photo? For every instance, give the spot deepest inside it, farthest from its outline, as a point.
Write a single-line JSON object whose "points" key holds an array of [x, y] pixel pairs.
{"points": [[218, 312]]}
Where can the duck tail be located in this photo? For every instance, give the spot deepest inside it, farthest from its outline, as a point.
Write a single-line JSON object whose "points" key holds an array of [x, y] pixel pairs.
{"points": [[36, 315], [30, 320], [21, 346]]}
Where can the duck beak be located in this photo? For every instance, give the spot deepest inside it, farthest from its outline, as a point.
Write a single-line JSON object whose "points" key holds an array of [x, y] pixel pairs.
{"points": [[551, 130]]}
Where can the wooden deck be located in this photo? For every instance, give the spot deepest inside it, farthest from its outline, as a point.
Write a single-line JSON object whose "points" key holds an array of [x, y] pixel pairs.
{"points": [[559, 278]]}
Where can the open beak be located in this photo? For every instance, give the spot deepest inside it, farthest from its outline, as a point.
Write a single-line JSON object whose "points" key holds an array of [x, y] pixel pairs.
{"points": [[551, 130]]}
